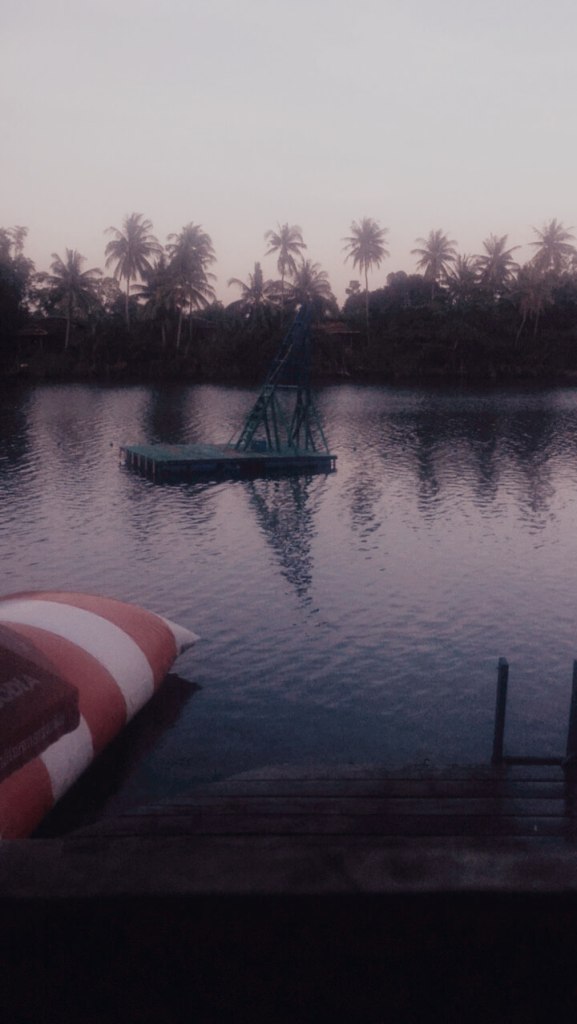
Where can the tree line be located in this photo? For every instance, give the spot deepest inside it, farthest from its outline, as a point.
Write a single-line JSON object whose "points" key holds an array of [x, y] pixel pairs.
{"points": [[155, 313]]}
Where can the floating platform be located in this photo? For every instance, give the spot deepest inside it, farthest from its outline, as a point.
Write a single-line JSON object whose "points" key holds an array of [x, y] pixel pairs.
{"points": [[205, 461]]}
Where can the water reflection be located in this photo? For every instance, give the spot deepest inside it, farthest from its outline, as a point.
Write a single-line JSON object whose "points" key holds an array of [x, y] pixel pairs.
{"points": [[485, 450], [179, 414], [168, 417], [285, 515], [469, 442], [426, 448], [445, 539], [365, 493], [14, 428], [157, 510], [113, 768], [64, 419]]}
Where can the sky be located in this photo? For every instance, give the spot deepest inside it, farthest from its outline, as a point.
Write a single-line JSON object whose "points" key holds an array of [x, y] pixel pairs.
{"points": [[240, 115]]}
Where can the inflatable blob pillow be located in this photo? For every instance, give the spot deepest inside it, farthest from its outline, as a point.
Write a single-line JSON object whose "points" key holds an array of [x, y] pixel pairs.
{"points": [[74, 669]]}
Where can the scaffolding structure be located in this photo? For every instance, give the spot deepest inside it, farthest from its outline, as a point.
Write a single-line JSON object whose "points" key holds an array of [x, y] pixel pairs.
{"points": [[284, 418]]}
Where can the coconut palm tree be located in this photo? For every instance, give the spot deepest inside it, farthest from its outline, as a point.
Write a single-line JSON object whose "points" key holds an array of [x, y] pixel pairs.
{"points": [[496, 267], [554, 248], [158, 294], [366, 247], [288, 243], [461, 280], [19, 235], [436, 254], [190, 252], [258, 297], [17, 277], [532, 291], [311, 286], [132, 250], [72, 289], [109, 295]]}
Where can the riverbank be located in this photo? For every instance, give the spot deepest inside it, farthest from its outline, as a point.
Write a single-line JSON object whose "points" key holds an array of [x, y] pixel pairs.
{"points": [[381, 362]]}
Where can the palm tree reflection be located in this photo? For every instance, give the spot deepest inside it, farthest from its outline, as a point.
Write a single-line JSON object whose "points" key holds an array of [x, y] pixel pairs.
{"points": [[14, 429], [440, 450], [167, 414]]}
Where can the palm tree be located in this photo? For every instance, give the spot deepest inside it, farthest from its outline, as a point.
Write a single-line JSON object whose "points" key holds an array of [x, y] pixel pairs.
{"points": [[496, 266], [288, 243], [109, 295], [190, 253], [131, 250], [461, 280], [532, 292], [436, 253], [72, 289], [258, 297], [367, 249], [19, 235], [554, 248], [311, 286], [17, 279], [157, 291]]}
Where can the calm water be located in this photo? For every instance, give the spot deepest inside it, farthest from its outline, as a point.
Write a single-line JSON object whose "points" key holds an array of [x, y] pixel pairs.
{"points": [[354, 617]]}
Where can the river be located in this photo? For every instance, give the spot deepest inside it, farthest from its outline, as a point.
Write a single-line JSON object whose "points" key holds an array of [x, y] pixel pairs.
{"points": [[352, 617]]}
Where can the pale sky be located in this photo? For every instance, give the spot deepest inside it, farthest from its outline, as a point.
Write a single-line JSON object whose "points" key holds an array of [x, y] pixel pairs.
{"points": [[423, 114]]}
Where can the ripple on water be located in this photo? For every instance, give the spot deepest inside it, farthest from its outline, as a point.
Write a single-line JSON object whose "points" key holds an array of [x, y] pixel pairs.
{"points": [[360, 614]]}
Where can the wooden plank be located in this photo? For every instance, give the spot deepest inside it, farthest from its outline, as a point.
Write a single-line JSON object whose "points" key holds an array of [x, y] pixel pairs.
{"points": [[472, 802], [456, 801], [49, 870], [432, 825], [316, 772], [315, 806], [86, 839], [432, 788]]}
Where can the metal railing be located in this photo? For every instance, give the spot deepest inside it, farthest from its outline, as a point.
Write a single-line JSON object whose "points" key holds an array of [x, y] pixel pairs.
{"points": [[499, 757]]}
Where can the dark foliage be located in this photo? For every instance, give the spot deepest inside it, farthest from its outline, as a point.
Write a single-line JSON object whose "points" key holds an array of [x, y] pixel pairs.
{"points": [[519, 325]]}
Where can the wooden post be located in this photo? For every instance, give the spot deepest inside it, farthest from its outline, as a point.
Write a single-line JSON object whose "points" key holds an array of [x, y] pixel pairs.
{"points": [[571, 754], [500, 709]]}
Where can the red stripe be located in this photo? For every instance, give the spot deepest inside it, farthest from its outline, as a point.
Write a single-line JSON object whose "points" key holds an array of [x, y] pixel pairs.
{"points": [[148, 631], [100, 700], [25, 799]]}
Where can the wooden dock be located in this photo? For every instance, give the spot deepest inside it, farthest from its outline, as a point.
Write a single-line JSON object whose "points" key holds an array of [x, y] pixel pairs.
{"points": [[320, 893], [516, 806], [161, 462]]}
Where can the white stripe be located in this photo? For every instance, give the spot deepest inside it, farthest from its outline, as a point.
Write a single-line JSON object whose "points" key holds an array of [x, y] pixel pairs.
{"points": [[68, 758], [183, 638], [109, 644]]}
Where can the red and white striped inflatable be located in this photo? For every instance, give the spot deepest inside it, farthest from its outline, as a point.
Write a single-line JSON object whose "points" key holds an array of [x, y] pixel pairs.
{"points": [[111, 656]]}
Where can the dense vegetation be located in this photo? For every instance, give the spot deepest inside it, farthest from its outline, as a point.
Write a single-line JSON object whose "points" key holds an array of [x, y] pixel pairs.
{"points": [[480, 318]]}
